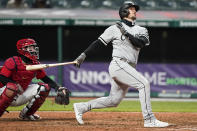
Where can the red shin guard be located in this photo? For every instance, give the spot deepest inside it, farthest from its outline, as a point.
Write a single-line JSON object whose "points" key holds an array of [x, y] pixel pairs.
{"points": [[38, 100], [7, 96]]}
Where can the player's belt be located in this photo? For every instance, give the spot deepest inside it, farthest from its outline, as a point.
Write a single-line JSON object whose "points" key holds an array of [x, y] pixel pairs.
{"points": [[127, 61]]}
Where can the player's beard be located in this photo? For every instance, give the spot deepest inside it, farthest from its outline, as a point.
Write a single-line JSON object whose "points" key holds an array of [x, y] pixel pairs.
{"points": [[133, 18]]}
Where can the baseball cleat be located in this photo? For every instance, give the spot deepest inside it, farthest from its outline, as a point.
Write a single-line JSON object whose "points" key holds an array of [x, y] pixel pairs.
{"points": [[33, 117], [36, 117], [78, 113], [156, 123]]}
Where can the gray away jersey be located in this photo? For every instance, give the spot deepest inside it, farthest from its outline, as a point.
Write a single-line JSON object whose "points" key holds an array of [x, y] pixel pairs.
{"points": [[122, 47]]}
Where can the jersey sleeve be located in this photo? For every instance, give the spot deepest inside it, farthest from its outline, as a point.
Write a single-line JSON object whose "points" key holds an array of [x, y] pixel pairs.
{"points": [[107, 35], [40, 74], [8, 67]]}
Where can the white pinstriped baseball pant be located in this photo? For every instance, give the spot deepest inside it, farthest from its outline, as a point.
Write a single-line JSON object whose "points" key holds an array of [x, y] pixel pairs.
{"points": [[123, 77]]}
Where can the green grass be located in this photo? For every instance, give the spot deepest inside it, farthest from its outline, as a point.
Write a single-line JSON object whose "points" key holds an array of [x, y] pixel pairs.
{"points": [[125, 106]]}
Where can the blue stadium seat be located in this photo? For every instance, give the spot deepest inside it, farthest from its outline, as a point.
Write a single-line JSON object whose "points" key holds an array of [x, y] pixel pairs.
{"points": [[115, 4], [167, 4], [188, 4]]}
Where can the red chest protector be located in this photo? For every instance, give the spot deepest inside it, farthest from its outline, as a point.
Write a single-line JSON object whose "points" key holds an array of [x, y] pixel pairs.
{"points": [[15, 69]]}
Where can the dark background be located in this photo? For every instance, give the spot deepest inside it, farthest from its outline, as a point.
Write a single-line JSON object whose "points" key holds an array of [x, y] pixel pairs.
{"points": [[168, 45]]}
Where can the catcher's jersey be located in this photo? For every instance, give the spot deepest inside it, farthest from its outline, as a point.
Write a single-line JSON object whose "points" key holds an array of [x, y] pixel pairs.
{"points": [[15, 69], [122, 47]]}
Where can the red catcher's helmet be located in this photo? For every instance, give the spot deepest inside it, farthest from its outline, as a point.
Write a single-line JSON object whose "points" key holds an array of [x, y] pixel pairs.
{"points": [[22, 48]]}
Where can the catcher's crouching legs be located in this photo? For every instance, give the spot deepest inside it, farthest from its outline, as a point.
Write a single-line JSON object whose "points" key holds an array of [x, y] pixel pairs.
{"points": [[7, 96], [28, 111]]}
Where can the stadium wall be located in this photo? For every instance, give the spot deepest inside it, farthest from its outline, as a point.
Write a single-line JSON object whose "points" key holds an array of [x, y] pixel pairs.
{"points": [[63, 39]]}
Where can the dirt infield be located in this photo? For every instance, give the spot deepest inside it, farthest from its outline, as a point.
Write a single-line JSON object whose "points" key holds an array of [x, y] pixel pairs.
{"points": [[97, 121]]}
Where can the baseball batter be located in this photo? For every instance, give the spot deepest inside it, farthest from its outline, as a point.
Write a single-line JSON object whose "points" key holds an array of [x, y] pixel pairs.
{"points": [[15, 87], [127, 39]]}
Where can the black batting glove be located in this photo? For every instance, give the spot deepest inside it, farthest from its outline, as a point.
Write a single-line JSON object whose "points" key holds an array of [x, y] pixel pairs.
{"points": [[121, 27], [80, 60]]}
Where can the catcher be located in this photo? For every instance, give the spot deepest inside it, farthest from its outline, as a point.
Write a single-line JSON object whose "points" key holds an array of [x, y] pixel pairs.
{"points": [[15, 87]]}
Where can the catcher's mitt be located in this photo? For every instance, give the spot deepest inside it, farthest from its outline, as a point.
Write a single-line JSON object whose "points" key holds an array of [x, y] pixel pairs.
{"points": [[62, 97]]}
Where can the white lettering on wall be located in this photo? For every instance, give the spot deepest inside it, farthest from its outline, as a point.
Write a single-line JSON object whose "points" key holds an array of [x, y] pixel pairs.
{"points": [[151, 79], [156, 78], [89, 77], [162, 78], [102, 77], [75, 78]]}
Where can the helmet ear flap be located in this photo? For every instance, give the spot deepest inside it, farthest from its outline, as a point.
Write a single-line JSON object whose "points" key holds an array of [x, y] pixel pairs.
{"points": [[126, 12], [123, 12]]}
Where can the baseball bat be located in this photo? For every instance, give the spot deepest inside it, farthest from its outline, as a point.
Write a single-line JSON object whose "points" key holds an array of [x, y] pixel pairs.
{"points": [[43, 66]]}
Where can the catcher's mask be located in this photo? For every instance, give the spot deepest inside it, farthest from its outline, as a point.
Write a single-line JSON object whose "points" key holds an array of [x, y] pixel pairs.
{"points": [[28, 48], [124, 9]]}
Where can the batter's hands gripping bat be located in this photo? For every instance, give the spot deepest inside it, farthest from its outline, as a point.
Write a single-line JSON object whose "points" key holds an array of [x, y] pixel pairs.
{"points": [[43, 66]]}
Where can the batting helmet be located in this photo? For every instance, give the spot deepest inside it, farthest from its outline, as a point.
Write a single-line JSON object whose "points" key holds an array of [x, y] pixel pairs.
{"points": [[124, 9]]}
